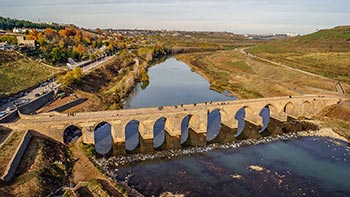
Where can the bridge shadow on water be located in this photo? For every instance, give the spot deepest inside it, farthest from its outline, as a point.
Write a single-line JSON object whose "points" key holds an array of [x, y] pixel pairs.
{"points": [[217, 132], [218, 129]]}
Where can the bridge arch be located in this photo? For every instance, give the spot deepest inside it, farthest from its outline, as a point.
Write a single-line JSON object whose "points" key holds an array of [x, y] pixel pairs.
{"points": [[307, 108], [240, 117], [159, 132], [71, 133], [132, 134], [289, 108], [189, 123], [103, 138], [265, 114], [214, 124]]}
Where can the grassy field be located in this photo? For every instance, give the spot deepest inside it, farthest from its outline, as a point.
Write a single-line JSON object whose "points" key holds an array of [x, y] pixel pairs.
{"points": [[18, 73], [326, 52], [248, 78]]}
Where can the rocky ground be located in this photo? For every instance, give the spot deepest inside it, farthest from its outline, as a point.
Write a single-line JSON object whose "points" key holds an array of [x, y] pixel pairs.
{"points": [[337, 117]]}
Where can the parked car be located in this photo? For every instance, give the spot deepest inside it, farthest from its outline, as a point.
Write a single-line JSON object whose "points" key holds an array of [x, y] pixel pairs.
{"points": [[37, 95], [44, 84], [11, 108], [2, 114]]}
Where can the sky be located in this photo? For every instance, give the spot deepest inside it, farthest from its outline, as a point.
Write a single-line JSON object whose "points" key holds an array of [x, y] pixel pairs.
{"points": [[238, 16]]}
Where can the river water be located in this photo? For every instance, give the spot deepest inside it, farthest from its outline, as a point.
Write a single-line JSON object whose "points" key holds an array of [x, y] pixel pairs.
{"points": [[308, 166], [173, 83]]}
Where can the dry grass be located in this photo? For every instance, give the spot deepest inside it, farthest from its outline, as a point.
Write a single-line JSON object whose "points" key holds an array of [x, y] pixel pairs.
{"points": [[3, 134], [19, 73], [250, 78], [8, 149], [324, 53], [45, 167], [338, 118]]}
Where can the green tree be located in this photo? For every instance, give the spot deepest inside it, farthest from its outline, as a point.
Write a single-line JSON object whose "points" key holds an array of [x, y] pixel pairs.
{"points": [[10, 39], [55, 55]]}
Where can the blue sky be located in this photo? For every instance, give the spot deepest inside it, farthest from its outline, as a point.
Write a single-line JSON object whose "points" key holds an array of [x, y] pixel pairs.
{"points": [[249, 16]]}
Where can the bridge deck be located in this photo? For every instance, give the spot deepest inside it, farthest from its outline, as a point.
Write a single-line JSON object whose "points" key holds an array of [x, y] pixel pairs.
{"points": [[54, 116]]}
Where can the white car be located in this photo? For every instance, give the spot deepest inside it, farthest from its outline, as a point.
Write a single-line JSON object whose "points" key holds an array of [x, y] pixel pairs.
{"points": [[11, 108], [2, 114]]}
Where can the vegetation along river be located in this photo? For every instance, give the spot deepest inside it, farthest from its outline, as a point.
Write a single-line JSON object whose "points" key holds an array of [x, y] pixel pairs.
{"points": [[306, 166]]}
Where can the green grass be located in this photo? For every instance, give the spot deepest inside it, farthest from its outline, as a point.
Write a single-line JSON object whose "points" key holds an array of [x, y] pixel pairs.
{"points": [[20, 73], [242, 66], [326, 52], [88, 149]]}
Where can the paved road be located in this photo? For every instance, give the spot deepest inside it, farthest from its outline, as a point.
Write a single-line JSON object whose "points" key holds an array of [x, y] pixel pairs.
{"points": [[90, 67], [30, 96]]}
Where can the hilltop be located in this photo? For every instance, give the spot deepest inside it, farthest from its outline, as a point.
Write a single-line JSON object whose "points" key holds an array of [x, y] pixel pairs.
{"points": [[325, 52], [9, 24]]}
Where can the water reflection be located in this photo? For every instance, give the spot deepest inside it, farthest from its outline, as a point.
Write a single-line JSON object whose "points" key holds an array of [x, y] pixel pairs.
{"points": [[132, 135], [159, 132], [214, 125], [71, 134], [265, 115], [173, 83], [240, 116], [185, 129], [103, 138]]}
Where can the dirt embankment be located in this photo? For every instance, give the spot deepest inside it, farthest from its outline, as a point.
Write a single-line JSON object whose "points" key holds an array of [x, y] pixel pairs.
{"points": [[46, 165], [248, 78], [337, 117]]}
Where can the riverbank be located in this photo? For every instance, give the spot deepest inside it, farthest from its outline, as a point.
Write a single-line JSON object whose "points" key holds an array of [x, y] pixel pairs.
{"points": [[169, 154], [248, 78]]}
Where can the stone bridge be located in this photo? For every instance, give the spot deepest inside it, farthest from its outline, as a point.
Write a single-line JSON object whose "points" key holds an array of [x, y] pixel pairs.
{"points": [[54, 124]]}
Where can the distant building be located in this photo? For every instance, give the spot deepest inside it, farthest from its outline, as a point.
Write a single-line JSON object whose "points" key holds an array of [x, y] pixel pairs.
{"points": [[4, 46], [21, 40], [20, 30], [290, 34]]}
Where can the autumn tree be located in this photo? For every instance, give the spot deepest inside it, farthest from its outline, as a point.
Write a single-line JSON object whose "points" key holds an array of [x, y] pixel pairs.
{"points": [[80, 49], [78, 36], [73, 76], [50, 33], [98, 31], [33, 35]]}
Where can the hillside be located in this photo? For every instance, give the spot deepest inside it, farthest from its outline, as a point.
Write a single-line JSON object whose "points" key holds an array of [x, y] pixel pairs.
{"points": [[326, 52], [18, 72], [9, 24]]}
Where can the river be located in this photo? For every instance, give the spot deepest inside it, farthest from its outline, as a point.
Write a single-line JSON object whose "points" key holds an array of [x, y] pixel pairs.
{"points": [[308, 166]]}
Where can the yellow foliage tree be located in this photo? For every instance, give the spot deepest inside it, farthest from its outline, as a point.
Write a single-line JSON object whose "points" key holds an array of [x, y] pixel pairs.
{"points": [[70, 77]]}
